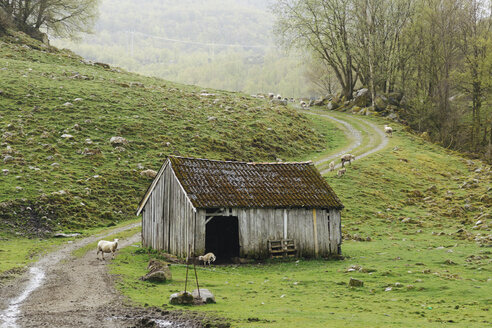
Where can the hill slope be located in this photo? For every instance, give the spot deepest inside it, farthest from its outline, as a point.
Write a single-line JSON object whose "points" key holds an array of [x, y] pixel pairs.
{"points": [[58, 116]]}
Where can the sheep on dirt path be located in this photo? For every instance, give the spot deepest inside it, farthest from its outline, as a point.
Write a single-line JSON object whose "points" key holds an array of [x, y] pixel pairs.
{"points": [[388, 130], [331, 166], [347, 158], [105, 246]]}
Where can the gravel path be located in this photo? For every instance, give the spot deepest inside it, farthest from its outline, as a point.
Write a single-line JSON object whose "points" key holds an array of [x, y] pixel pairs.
{"points": [[355, 137], [60, 290]]}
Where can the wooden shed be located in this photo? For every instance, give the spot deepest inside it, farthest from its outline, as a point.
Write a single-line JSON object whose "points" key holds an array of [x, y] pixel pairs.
{"points": [[234, 209]]}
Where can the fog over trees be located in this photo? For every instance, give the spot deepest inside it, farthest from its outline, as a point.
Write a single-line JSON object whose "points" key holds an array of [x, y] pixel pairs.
{"points": [[225, 44]]}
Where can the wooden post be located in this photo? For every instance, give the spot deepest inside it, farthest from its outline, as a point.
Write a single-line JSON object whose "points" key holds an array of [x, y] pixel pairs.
{"points": [[315, 232], [285, 223]]}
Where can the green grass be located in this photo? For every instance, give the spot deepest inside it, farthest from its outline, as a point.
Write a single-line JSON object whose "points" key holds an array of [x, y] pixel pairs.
{"points": [[101, 184], [16, 253], [120, 235], [438, 276]]}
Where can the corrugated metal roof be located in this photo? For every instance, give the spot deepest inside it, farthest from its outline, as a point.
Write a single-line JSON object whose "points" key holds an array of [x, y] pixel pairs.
{"points": [[211, 183]]}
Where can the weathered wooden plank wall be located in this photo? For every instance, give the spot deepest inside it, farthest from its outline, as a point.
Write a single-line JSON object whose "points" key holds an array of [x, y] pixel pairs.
{"points": [[168, 223], [256, 226], [168, 217]]}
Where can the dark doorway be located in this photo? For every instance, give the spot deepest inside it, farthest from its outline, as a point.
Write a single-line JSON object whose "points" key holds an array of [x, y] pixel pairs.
{"points": [[222, 238]]}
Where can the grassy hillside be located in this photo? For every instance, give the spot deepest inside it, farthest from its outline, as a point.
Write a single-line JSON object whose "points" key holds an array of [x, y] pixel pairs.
{"points": [[58, 114], [411, 234]]}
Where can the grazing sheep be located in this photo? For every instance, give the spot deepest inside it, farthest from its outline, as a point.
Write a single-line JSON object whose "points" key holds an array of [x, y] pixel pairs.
{"points": [[331, 166], [388, 130], [105, 246], [347, 158], [271, 95], [279, 97], [207, 258], [303, 104], [341, 172]]}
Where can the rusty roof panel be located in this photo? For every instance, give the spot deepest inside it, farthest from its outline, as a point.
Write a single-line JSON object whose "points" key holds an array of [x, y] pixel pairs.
{"points": [[211, 183]]}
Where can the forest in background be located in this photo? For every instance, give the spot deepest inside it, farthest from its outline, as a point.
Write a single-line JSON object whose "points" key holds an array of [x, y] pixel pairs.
{"points": [[220, 44]]}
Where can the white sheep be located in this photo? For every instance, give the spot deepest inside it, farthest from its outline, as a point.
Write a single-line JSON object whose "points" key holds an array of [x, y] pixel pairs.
{"points": [[105, 246], [279, 97], [388, 130], [207, 258], [347, 158], [341, 172], [271, 95], [331, 166], [303, 103]]}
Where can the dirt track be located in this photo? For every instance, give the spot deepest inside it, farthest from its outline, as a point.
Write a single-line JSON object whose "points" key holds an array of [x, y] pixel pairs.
{"points": [[64, 291], [378, 139]]}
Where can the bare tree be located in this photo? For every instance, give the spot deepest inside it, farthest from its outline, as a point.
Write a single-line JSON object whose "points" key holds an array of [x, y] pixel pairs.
{"points": [[380, 26], [321, 77], [324, 28]]}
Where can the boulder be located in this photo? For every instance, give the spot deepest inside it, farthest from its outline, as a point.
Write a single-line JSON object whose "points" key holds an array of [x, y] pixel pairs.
{"points": [[8, 158], [380, 103], [432, 189], [158, 271], [362, 98], [118, 141], [103, 65], [137, 84], [67, 136], [65, 235], [322, 101], [281, 102], [394, 98], [205, 296], [182, 298], [356, 283], [148, 173]]}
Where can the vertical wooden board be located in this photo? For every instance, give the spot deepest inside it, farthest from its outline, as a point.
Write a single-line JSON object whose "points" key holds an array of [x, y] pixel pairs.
{"points": [[320, 215], [263, 229], [308, 232], [338, 224], [165, 212], [172, 232], [201, 230], [333, 244], [156, 215], [242, 229], [144, 227], [246, 230], [256, 230], [252, 231], [323, 231]]}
